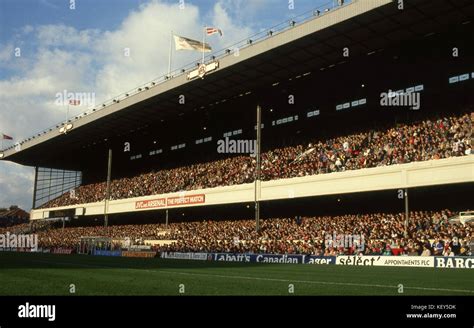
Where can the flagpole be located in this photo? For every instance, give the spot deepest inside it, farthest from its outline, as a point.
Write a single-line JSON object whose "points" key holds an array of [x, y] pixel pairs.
{"points": [[203, 42], [169, 55]]}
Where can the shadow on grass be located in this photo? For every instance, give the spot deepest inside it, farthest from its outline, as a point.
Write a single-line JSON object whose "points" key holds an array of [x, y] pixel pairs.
{"points": [[15, 260]]}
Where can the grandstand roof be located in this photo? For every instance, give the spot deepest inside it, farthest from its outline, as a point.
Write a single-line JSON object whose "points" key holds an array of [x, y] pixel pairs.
{"points": [[13, 212], [362, 26]]}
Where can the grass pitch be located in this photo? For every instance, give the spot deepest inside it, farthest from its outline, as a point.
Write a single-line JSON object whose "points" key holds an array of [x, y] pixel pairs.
{"points": [[49, 274]]}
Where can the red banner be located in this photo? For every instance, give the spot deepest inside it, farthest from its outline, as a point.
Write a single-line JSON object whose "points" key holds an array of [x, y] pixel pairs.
{"points": [[171, 201], [186, 200], [138, 254], [61, 250], [152, 203]]}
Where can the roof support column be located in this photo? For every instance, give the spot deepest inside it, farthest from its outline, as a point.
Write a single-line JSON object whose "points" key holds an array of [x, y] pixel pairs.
{"points": [[258, 169], [35, 187], [107, 192]]}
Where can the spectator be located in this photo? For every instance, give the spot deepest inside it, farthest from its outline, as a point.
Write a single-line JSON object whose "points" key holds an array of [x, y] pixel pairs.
{"points": [[426, 251]]}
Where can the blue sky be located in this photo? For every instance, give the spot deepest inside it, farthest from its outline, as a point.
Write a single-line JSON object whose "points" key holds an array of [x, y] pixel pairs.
{"points": [[82, 50]]}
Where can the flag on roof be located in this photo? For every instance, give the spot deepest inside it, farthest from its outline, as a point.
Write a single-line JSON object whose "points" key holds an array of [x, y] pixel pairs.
{"points": [[213, 30], [182, 43]]}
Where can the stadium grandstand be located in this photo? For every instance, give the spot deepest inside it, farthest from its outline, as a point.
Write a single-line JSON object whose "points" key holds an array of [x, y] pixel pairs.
{"points": [[268, 148]]}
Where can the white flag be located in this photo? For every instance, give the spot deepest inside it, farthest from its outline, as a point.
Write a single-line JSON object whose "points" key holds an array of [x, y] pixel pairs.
{"points": [[183, 43], [302, 155]]}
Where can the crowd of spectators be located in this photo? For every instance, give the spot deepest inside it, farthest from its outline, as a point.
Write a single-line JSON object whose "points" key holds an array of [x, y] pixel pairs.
{"points": [[428, 233], [404, 143], [69, 237], [22, 228]]}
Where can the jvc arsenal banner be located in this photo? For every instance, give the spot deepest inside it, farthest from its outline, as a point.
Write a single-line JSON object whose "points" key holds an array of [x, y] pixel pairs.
{"points": [[171, 201]]}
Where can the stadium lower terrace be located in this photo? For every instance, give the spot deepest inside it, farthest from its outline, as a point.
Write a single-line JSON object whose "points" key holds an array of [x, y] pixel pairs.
{"points": [[428, 233]]}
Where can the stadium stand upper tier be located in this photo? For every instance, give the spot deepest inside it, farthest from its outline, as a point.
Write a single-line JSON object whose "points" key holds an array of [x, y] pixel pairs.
{"points": [[428, 233], [429, 139]]}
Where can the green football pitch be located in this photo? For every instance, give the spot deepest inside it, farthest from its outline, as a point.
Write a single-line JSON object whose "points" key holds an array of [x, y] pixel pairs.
{"points": [[48, 274]]}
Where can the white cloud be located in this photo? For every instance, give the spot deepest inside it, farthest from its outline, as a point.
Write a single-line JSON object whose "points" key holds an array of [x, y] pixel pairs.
{"points": [[146, 33], [90, 60], [233, 32], [27, 29], [6, 53], [244, 11], [16, 187], [66, 36], [25, 87]]}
